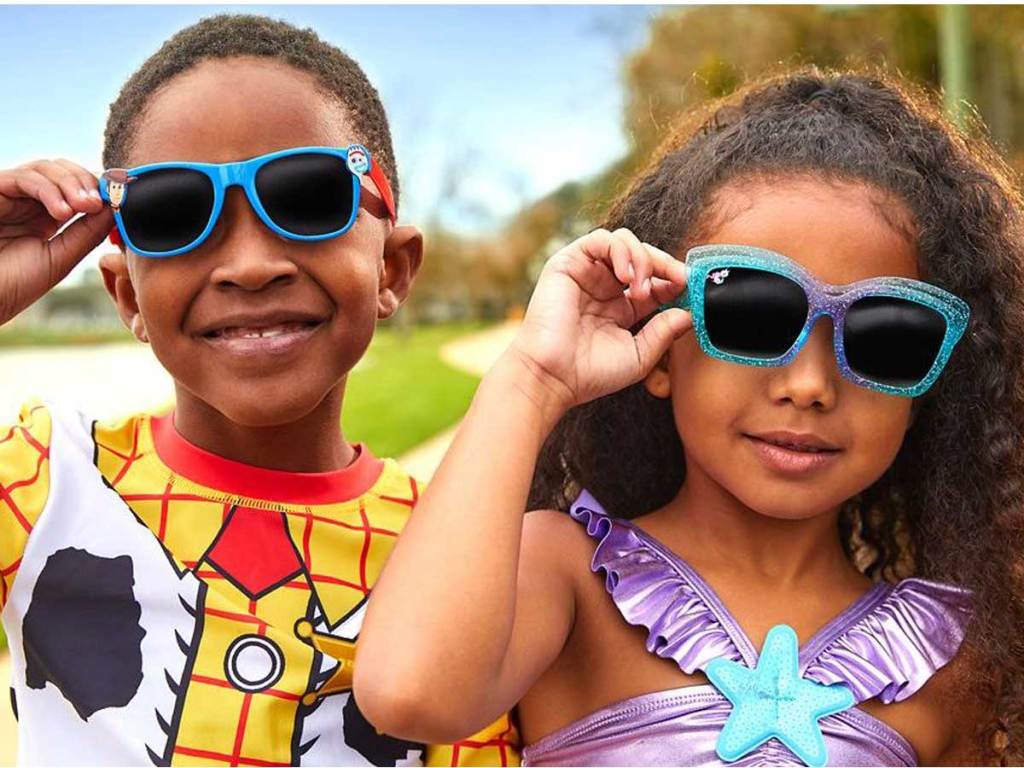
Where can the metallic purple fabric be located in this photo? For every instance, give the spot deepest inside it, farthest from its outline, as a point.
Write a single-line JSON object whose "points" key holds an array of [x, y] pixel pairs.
{"points": [[886, 644]]}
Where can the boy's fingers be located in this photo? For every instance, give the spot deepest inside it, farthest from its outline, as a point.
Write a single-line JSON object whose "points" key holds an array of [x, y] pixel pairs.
{"points": [[88, 183], [69, 183], [76, 241], [658, 334], [32, 183]]}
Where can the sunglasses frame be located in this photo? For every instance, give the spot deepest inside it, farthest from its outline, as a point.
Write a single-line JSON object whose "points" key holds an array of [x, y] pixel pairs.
{"points": [[243, 173], [822, 299]]}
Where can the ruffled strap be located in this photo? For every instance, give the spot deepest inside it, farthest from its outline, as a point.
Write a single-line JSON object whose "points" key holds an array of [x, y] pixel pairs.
{"points": [[894, 649], [650, 592]]}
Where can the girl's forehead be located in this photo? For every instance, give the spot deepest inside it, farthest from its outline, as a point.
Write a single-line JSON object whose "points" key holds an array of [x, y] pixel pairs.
{"points": [[840, 231], [225, 110]]}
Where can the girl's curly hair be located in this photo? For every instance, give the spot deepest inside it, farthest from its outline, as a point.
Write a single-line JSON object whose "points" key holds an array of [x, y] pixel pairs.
{"points": [[950, 506]]}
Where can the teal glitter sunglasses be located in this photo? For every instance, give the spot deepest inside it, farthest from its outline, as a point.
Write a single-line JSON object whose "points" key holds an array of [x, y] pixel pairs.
{"points": [[757, 307], [303, 193]]}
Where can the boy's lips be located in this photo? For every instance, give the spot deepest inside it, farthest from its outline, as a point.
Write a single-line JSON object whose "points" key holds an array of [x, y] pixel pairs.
{"points": [[249, 334], [258, 323]]}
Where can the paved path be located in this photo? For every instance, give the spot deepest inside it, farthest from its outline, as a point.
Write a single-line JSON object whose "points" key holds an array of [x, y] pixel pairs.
{"points": [[473, 354]]}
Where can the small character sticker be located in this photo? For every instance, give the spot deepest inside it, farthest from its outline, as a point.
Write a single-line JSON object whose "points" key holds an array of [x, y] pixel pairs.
{"points": [[117, 186], [718, 276], [358, 159]]}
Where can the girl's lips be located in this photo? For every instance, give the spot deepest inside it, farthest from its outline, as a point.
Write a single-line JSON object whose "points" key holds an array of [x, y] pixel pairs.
{"points": [[279, 340], [788, 461]]}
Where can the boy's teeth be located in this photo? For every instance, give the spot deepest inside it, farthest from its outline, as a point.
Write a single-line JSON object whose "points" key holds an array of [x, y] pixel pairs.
{"points": [[259, 333]]}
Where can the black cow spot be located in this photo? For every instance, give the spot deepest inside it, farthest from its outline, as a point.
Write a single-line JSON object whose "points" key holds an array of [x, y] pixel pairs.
{"points": [[378, 748], [82, 632]]}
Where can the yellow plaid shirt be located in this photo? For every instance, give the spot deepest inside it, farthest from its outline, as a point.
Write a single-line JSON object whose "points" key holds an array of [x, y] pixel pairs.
{"points": [[282, 571]]}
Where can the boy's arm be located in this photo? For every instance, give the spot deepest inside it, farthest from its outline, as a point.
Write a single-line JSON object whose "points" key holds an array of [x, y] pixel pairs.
{"points": [[24, 486]]}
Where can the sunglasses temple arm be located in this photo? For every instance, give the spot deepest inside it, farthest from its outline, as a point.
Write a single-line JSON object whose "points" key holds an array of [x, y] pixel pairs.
{"points": [[384, 187]]}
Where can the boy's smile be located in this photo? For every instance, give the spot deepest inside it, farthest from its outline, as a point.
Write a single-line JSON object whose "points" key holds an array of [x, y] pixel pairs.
{"points": [[258, 331]]}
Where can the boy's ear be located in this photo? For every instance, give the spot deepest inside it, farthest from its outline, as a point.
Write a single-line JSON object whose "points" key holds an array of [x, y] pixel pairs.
{"points": [[118, 282], [403, 254], [658, 382]]}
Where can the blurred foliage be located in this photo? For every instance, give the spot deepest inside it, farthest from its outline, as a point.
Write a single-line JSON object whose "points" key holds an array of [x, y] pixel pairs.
{"points": [[697, 53]]}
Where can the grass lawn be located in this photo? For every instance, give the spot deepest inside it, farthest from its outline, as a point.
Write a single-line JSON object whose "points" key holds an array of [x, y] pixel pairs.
{"points": [[401, 393]]}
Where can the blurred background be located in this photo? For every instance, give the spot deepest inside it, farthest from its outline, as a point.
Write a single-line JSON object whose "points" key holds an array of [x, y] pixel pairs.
{"points": [[514, 128]]}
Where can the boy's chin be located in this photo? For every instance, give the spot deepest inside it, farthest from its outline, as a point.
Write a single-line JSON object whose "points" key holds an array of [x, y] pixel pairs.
{"points": [[260, 410]]}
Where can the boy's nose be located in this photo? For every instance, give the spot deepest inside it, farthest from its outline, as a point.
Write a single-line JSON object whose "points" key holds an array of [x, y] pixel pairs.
{"points": [[248, 253], [811, 380]]}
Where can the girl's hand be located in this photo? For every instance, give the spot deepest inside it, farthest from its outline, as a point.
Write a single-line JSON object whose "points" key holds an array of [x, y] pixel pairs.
{"points": [[36, 199], [576, 334]]}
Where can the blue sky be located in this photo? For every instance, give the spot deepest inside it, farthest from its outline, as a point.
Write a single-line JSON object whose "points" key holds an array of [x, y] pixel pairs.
{"points": [[516, 99]]}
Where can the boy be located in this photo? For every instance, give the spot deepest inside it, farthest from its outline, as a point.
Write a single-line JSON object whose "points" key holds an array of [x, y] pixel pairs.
{"points": [[188, 586]]}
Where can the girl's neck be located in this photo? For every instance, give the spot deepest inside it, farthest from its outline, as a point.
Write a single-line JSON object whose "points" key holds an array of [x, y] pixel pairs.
{"points": [[712, 529], [313, 443]]}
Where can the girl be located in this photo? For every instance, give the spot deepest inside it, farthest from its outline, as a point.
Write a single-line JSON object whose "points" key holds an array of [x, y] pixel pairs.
{"points": [[737, 471]]}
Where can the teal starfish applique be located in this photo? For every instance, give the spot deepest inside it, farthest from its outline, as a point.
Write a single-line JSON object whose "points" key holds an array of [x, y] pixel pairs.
{"points": [[772, 700]]}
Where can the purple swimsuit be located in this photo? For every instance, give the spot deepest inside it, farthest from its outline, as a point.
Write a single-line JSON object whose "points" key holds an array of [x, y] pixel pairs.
{"points": [[886, 645]]}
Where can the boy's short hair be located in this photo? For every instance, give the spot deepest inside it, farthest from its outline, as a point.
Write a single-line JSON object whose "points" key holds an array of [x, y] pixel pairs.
{"points": [[231, 34]]}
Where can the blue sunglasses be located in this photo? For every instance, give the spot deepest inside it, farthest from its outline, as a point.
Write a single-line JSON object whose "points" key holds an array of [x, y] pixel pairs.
{"points": [[757, 307], [305, 193]]}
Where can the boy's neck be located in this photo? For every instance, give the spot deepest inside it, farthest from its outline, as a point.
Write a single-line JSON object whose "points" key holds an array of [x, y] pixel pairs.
{"points": [[313, 443]]}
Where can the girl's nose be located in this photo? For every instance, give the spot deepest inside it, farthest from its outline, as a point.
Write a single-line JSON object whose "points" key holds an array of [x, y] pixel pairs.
{"points": [[248, 254], [811, 380]]}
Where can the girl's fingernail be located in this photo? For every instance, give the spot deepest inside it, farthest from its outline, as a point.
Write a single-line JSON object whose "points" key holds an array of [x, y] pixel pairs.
{"points": [[83, 193], [94, 193]]}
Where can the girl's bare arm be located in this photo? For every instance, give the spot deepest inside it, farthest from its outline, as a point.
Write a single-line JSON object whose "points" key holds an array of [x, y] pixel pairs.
{"points": [[470, 609]]}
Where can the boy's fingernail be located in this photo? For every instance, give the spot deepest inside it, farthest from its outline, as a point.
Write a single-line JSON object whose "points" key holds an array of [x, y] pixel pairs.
{"points": [[94, 193]]}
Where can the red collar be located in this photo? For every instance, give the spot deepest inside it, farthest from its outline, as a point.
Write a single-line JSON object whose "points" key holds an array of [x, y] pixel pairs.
{"points": [[234, 477]]}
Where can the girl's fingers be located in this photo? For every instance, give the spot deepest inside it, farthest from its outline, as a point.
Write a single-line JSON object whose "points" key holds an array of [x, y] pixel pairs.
{"points": [[640, 260], [658, 334], [662, 292], [666, 266]]}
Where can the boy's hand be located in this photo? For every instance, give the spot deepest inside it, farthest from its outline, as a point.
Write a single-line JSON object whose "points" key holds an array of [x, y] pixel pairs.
{"points": [[576, 338], [36, 199]]}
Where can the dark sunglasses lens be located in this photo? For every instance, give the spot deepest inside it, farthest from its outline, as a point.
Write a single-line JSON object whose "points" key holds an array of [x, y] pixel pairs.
{"points": [[753, 313], [892, 341], [310, 194], [167, 209]]}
